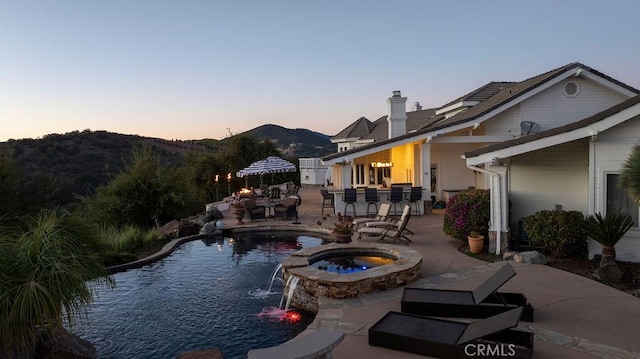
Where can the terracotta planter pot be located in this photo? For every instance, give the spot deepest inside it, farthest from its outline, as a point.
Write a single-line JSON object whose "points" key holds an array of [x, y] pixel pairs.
{"points": [[475, 244], [238, 213], [341, 237]]}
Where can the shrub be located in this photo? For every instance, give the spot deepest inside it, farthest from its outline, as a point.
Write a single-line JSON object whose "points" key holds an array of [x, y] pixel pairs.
{"points": [[607, 231], [468, 211], [559, 232], [48, 275], [128, 240]]}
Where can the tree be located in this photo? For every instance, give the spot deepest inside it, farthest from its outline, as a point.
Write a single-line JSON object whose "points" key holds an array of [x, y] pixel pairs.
{"points": [[242, 150], [630, 175], [199, 171], [48, 274], [8, 185], [146, 193]]}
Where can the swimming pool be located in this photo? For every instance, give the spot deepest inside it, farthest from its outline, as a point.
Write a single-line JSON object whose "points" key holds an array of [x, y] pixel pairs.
{"points": [[204, 295]]}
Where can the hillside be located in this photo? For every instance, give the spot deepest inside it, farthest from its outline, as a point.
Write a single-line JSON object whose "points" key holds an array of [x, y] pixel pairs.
{"points": [[297, 142], [60, 166]]}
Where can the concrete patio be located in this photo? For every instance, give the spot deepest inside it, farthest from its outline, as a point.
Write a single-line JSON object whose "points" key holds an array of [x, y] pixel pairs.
{"points": [[575, 317]]}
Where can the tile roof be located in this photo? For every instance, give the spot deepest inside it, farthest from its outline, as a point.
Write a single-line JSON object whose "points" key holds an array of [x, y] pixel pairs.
{"points": [[359, 128], [415, 121], [495, 94], [482, 93]]}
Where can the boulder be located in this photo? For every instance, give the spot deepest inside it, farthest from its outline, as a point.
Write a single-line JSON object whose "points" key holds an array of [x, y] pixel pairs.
{"points": [[212, 215], [507, 256], [64, 345], [608, 273], [530, 257], [169, 230], [208, 228], [187, 229]]}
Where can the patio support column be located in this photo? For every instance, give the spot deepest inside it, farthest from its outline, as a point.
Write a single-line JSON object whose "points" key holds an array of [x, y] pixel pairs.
{"points": [[425, 165], [502, 209], [345, 175]]}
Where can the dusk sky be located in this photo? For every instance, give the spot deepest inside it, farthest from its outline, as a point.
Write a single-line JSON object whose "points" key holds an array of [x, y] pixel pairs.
{"points": [[199, 69]]}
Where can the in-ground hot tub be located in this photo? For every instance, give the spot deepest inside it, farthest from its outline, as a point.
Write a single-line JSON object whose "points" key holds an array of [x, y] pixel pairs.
{"points": [[313, 282]]}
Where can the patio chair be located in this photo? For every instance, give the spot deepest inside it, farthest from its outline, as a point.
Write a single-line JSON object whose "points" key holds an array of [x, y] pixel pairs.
{"points": [[482, 302], [254, 211], [441, 338], [390, 222], [274, 193], [394, 231], [382, 216], [327, 201], [288, 208], [371, 197]]}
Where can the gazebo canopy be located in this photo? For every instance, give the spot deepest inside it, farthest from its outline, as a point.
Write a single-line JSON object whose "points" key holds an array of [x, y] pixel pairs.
{"points": [[272, 164]]}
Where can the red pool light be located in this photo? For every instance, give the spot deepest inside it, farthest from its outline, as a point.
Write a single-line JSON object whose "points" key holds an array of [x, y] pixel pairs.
{"points": [[292, 316]]}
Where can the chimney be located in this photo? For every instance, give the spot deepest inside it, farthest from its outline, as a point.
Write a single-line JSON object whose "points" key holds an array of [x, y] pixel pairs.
{"points": [[416, 106], [397, 118]]}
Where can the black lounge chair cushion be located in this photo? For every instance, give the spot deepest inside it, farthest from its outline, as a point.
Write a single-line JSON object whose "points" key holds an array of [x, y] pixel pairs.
{"points": [[447, 339], [482, 302]]}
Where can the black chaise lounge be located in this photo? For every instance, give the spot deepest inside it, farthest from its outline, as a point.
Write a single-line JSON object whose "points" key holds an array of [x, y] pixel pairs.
{"points": [[482, 302], [442, 338]]}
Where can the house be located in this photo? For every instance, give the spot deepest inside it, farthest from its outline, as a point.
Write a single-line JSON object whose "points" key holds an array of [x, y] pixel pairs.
{"points": [[555, 140]]}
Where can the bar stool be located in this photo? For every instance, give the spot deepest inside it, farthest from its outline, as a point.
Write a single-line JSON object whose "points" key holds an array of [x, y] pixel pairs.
{"points": [[350, 197], [327, 201], [372, 198], [395, 197], [414, 197]]}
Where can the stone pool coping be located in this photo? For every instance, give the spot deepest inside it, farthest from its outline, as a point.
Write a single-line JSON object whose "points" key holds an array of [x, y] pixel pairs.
{"points": [[298, 263], [168, 248]]}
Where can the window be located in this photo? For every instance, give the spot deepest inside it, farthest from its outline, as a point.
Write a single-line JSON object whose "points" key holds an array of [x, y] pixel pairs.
{"points": [[360, 175], [378, 175], [618, 200]]}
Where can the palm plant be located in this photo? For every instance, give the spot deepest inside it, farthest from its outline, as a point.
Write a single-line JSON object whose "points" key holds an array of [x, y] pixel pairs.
{"points": [[607, 231], [49, 275]]}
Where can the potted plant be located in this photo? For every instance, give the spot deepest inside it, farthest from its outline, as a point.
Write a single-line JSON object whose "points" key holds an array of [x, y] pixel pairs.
{"points": [[342, 229], [238, 210], [476, 242]]}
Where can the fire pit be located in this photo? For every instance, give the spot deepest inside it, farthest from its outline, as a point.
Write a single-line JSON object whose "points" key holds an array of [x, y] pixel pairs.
{"points": [[244, 193]]}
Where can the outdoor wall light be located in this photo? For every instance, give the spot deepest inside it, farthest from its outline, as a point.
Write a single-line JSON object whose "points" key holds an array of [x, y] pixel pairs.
{"points": [[381, 164]]}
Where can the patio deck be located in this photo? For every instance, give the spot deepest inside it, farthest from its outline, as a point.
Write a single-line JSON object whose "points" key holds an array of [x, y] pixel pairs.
{"points": [[575, 317]]}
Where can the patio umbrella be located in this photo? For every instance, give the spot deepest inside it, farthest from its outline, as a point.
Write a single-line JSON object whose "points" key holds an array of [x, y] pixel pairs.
{"points": [[272, 164]]}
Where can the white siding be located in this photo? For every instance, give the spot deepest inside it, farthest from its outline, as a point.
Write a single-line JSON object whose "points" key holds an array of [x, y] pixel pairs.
{"points": [[453, 173], [553, 176], [611, 151], [552, 108]]}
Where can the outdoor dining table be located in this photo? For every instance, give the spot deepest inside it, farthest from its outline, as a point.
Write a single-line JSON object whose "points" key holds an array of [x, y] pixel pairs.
{"points": [[269, 206]]}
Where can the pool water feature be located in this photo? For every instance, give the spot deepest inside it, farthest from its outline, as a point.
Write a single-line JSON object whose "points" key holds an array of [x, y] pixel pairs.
{"points": [[204, 295], [405, 267], [348, 263]]}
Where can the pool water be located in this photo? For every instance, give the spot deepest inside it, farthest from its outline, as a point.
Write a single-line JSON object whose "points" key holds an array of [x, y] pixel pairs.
{"points": [[204, 295], [348, 263]]}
